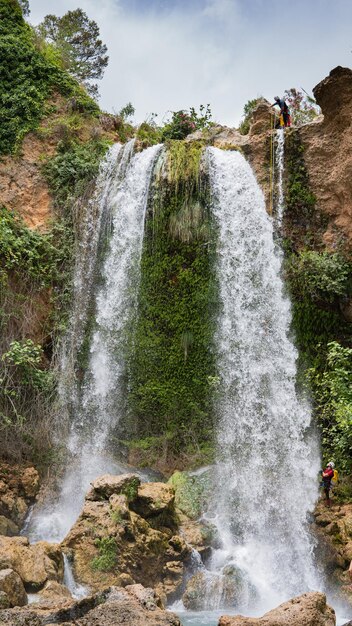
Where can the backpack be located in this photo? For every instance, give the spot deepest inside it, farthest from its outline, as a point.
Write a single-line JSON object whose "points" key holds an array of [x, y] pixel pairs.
{"points": [[335, 478]]}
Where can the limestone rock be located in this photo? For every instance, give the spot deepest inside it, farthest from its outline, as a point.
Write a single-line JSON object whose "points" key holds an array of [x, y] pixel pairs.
{"points": [[261, 119], [334, 95], [8, 527], [104, 486], [30, 482], [4, 600], [11, 584], [122, 541], [154, 499], [309, 609], [192, 492], [54, 593], [35, 564], [132, 606]]}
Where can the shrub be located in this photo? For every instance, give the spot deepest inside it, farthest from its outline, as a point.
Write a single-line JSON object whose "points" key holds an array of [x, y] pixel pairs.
{"points": [[322, 276], [183, 122]]}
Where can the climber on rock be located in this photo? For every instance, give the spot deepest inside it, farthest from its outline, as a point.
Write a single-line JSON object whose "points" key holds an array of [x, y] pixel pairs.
{"points": [[285, 118], [327, 476]]}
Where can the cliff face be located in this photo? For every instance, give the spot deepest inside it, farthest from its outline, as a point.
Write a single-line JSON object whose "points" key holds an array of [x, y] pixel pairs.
{"points": [[328, 154]]}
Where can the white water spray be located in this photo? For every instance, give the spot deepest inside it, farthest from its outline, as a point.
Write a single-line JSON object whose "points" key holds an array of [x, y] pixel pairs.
{"points": [[266, 476], [124, 184]]}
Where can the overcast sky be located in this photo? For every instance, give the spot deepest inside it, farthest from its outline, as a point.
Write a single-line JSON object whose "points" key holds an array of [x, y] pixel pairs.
{"points": [[173, 54]]}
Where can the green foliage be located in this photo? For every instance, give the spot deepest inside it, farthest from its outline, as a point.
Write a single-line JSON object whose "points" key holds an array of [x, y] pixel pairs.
{"points": [[25, 359], [72, 167], [170, 395], [303, 108], [131, 489], [127, 111], [148, 134], [29, 253], [299, 200], [106, 561], [185, 122], [28, 78], [333, 398], [247, 115], [77, 40], [322, 276]]}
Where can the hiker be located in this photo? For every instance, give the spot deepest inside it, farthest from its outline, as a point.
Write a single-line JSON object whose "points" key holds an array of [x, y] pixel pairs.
{"points": [[285, 118], [327, 476]]}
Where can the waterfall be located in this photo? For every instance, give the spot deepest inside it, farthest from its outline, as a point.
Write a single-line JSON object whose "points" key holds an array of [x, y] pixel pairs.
{"points": [[111, 275], [266, 476], [279, 165]]}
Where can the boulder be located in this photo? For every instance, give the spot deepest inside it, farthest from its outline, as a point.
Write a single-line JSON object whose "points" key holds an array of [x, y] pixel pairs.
{"points": [[334, 96], [107, 485], [261, 119], [132, 606], [11, 584], [309, 609], [4, 600], [154, 499], [8, 527], [54, 593], [30, 482], [35, 564], [119, 541]]}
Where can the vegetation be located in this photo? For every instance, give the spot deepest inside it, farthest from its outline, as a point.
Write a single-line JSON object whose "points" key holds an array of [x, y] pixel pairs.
{"points": [[303, 108], [247, 115], [76, 40], [320, 283], [170, 369], [106, 561], [185, 122], [29, 77]]}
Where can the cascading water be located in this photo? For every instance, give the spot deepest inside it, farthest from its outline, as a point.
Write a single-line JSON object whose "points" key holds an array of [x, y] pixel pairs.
{"points": [[121, 196], [265, 479], [279, 165]]}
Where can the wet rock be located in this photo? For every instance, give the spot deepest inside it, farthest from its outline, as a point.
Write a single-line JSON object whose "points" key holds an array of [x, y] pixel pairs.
{"points": [[107, 485], [35, 564], [309, 609], [12, 586], [192, 492]]}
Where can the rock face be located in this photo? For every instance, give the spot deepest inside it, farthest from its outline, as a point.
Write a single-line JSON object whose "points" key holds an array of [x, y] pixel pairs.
{"points": [[333, 528], [127, 533], [310, 609], [18, 488], [12, 586], [328, 154], [35, 564], [132, 606]]}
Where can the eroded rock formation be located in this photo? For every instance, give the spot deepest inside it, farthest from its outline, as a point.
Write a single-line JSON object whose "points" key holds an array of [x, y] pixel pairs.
{"points": [[310, 609]]}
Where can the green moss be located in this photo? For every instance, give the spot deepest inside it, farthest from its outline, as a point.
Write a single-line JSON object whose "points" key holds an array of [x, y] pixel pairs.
{"points": [[191, 492], [107, 559], [173, 360]]}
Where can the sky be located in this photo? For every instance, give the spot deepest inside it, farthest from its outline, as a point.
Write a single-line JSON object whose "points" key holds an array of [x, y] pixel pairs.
{"points": [[167, 55]]}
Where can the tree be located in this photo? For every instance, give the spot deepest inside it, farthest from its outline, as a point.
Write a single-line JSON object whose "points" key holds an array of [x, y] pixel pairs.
{"points": [[248, 109], [24, 4], [77, 39], [303, 108]]}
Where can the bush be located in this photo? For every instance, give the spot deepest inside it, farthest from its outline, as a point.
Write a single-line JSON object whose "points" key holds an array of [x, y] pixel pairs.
{"points": [[323, 276], [183, 122], [28, 77]]}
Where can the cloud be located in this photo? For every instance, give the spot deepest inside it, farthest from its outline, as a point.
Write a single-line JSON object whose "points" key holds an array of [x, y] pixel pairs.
{"points": [[168, 54]]}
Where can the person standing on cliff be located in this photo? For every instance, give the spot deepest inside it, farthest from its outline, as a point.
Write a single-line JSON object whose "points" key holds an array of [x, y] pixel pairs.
{"points": [[327, 476], [284, 111]]}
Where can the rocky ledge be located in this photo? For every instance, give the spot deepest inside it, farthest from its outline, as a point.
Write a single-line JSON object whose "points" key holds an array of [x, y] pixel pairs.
{"points": [[131, 606], [309, 609]]}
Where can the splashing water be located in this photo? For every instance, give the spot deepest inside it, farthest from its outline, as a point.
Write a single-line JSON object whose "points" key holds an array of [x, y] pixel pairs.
{"points": [[265, 479], [121, 199]]}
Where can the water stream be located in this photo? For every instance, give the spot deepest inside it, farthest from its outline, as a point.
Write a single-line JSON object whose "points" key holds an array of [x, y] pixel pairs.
{"points": [[97, 403], [268, 456]]}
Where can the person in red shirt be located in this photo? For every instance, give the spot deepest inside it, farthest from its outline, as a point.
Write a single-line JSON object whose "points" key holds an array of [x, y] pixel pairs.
{"points": [[327, 476]]}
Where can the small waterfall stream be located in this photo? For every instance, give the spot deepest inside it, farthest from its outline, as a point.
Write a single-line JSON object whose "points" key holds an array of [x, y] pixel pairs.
{"points": [[96, 405], [279, 165]]}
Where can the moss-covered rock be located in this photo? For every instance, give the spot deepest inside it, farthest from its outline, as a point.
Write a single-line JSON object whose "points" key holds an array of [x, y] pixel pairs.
{"points": [[192, 491]]}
